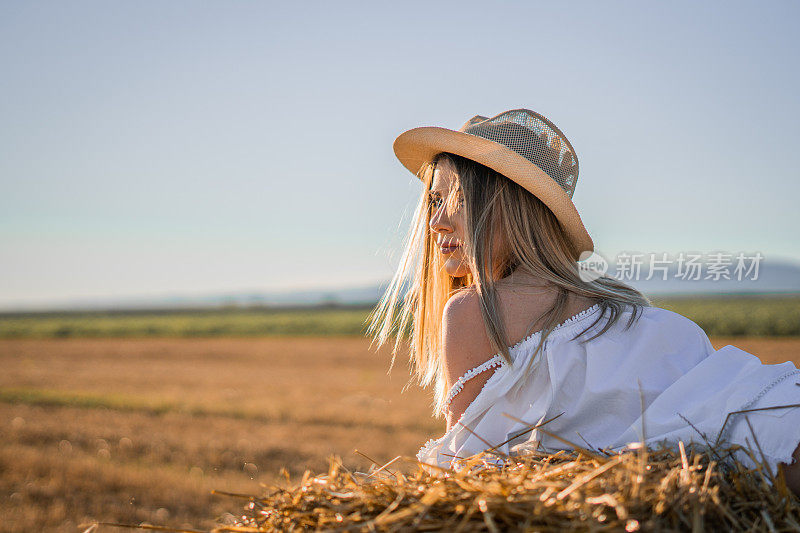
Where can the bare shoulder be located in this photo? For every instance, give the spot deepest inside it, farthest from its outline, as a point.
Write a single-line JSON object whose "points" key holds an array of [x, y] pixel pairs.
{"points": [[464, 339]]}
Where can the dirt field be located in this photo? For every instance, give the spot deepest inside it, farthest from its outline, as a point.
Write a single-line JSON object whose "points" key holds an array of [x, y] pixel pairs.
{"points": [[141, 430]]}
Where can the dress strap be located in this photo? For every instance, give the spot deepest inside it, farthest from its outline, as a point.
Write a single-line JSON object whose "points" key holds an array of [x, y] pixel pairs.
{"points": [[495, 361]]}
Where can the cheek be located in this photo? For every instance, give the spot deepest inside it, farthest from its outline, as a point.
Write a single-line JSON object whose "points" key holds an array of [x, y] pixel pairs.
{"points": [[458, 225]]}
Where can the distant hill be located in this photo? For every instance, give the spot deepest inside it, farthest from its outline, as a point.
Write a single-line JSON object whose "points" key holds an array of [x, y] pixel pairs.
{"points": [[773, 277], [776, 277]]}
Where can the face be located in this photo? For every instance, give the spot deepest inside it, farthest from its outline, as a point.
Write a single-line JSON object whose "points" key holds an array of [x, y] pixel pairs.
{"points": [[448, 228]]}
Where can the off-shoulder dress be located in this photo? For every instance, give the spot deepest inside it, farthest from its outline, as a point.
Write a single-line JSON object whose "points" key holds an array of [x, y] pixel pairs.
{"points": [[664, 362]]}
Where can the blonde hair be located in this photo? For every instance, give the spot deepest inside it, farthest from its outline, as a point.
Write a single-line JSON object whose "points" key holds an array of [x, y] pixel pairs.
{"points": [[533, 240]]}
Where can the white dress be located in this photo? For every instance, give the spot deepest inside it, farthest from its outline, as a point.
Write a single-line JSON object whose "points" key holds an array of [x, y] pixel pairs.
{"points": [[596, 387]]}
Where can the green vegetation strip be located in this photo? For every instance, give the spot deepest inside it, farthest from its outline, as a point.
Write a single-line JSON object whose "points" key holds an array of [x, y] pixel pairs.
{"points": [[757, 316], [741, 316], [219, 323], [82, 400]]}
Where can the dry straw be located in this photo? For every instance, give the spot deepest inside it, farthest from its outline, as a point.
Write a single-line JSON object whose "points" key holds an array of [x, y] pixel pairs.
{"points": [[641, 489]]}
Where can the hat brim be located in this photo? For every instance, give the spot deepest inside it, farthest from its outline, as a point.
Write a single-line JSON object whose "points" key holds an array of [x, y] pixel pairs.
{"points": [[417, 146]]}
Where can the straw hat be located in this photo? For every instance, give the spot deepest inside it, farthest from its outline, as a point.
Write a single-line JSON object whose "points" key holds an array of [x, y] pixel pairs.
{"points": [[520, 144]]}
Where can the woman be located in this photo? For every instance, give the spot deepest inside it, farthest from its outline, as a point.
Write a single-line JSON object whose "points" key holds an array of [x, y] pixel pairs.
{"points": [[493, 256]]}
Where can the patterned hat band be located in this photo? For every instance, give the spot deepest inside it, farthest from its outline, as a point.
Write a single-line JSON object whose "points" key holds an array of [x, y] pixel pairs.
{"points": [[533, 137]]}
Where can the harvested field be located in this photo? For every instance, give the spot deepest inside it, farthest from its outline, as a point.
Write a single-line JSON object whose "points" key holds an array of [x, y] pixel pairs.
{"points": [[141, 430]]}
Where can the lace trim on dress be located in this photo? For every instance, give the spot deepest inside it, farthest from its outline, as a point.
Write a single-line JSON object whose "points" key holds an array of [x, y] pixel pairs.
{"points": [[567, 322], [723, 437], [426, 449], [497, 360]]}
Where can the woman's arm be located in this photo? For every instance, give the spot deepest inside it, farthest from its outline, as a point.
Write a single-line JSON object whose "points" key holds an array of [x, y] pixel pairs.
{"points": [[465, 346], [462, 400]]}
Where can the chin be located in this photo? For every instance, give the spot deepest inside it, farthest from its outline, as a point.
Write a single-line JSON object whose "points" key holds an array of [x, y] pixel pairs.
{"points": [[455, 268]]}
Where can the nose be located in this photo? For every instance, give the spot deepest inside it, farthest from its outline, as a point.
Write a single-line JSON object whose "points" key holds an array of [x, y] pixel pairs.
{"points": [[440, 222]]}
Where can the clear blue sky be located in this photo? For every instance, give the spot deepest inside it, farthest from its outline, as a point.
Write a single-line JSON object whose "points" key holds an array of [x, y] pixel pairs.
{"points": [[189, 147]]}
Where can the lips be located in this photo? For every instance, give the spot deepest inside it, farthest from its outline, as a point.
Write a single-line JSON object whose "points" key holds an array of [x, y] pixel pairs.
{"points": [[449, 247]]}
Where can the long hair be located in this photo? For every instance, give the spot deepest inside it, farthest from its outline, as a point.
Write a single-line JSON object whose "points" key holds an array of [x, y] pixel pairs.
{"points": [[533, 240]]}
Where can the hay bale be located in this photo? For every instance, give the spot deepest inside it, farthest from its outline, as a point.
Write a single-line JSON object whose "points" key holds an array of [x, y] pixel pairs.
{"points": [[637, 489]]}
